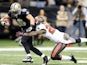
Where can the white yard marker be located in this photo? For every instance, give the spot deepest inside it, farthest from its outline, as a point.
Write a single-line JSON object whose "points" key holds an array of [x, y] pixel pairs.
{"points": [[46, 49], [6, 64], [82, 61], [70, 62]]}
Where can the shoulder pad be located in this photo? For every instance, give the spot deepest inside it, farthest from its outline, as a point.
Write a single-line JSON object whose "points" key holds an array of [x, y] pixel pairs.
{"points": [[25, 11], [40, 27]]}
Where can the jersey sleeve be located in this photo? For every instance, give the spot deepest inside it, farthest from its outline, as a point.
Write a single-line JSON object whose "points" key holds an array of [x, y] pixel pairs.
{"points": [[25, 12], [40, 27], [9, 13]]}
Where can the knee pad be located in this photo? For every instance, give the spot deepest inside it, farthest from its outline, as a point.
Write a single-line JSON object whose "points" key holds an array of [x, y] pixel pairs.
{"points": [[57, 57]]}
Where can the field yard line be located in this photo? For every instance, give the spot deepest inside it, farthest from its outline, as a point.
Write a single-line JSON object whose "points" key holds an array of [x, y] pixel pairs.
{"points": [[46, 49], [79, 61], [82, 61], [18, 55], [6, 64], [62, 62]]}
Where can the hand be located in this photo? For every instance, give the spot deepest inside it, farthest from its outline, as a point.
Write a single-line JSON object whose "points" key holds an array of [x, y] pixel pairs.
{"points": [[19, 34]]}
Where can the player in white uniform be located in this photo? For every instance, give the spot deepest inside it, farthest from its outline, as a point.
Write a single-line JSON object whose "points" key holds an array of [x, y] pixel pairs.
{"points": [[61, 39], [52, 34]]}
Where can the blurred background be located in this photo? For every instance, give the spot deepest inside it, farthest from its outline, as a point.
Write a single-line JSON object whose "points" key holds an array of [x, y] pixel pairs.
{"points": [[68, 16], [52, 11]]}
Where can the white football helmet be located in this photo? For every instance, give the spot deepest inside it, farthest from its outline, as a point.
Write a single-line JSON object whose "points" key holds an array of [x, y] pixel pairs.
{"points": [[15, 7], [38, 20]]}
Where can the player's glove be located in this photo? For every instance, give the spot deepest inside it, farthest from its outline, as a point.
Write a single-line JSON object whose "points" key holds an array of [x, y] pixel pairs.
{"points": [[19, 34]]}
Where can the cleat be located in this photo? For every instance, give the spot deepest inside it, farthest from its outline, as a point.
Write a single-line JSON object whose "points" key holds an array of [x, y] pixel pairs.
{"points": [[73, 59], [45, 60], [28, 59]]}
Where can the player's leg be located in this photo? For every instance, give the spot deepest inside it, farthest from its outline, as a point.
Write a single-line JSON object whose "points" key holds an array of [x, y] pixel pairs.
{"points": [[27, 49], [79, 40], [68, 39], [57, 49], [36, 51], [56, 53]]}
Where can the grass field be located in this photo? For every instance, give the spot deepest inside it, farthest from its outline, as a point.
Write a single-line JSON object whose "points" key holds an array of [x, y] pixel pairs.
{"points": [[15, 57]]}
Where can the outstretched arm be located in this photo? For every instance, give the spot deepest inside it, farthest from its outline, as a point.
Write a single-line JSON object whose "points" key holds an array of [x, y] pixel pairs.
{"points": [[31, 18], [34, 33]]}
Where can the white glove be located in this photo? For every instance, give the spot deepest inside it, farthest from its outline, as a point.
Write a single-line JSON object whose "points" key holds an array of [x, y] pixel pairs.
{"points": [[29, 29]]}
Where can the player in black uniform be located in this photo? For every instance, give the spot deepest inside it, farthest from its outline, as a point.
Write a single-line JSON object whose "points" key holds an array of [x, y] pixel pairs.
{"points": [[27, 24]]}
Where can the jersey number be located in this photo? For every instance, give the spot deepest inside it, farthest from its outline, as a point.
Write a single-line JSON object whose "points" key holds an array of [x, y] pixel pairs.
{"points": [[50, 29], [21, 22]]}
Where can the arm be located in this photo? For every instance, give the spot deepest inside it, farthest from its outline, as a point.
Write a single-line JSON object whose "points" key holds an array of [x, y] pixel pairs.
{"points": [[34, 33], [39, 30], [62, 17], [31, 18]]}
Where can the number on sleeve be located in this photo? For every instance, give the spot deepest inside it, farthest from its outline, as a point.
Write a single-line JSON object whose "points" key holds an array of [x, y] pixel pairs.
{"points": [[50, 29]]}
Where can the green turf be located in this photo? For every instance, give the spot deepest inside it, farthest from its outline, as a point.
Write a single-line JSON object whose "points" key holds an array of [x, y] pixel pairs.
{"points": [[15, 57], [46, 43], [8, 43], [12, 43]]}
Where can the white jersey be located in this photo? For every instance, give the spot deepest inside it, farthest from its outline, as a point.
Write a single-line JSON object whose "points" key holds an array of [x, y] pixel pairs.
{"points": [[51, 33]]}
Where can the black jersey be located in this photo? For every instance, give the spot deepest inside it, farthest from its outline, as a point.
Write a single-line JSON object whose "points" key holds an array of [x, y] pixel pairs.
{"points": [[21, 18]]}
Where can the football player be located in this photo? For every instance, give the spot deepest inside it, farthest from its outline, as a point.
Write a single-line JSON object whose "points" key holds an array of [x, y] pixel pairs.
{"points": [[27, 24], [61, 39]]}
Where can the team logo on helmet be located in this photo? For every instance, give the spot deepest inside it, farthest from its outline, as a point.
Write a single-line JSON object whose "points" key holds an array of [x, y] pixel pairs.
{"points": [[15, 7]]}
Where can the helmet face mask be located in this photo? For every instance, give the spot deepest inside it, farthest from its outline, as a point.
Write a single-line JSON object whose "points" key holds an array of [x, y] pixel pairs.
{"points": [[38, 20], [15, 8], [15, 12]]}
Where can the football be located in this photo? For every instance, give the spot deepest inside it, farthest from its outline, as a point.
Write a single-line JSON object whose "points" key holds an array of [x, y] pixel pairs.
{"points": [[6, 22]]}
